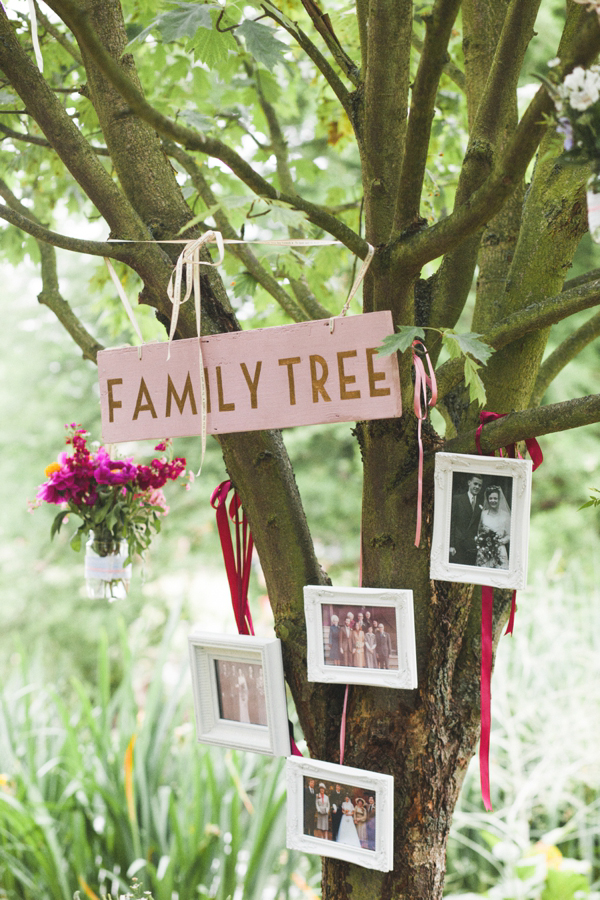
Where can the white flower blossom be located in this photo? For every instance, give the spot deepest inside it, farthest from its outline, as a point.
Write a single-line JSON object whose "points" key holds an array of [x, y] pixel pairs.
{"points": [[553, 62], [581, 88]]}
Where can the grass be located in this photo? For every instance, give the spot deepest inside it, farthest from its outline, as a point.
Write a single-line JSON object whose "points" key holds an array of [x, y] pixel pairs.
{"points": [[98, 789]]}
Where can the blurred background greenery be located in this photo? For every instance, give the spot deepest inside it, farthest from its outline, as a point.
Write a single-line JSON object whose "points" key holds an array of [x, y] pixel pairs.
{"points": [[101, 779], [81, 679]]}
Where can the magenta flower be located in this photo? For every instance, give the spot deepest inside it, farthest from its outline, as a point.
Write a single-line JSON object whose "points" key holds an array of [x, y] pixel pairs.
{"points": [[100, 489]]}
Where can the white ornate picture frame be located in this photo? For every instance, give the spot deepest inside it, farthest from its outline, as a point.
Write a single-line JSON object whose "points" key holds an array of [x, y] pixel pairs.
{"points": [[492, 548], [378, 831], [239, 692], [391, 608]]}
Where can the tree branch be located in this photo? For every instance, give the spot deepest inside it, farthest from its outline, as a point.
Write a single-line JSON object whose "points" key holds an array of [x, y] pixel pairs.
{"points": [[524, 321], [414, 250], [450, 68], [58, 36], [50, 295], [322, 23], [78, 20], [438, 28], [314, 54], [564, 353], [41, 142], [77, 245], [529, 423], [240, 251]]}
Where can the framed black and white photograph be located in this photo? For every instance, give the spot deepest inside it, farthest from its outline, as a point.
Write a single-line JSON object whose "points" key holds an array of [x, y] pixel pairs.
{"points": [[340, 811], [360, 636], [239, 692], [481, 520]]}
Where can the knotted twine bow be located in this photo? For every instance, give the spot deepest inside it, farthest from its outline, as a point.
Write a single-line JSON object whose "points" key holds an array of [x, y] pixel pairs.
{"points": [[238, 563], [487, 612], [421, 406]]}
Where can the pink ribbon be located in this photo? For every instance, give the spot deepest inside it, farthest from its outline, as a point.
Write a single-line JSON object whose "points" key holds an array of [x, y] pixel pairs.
{"points": [[343, 727], [485, 692], [421, 405], [238, 564]]}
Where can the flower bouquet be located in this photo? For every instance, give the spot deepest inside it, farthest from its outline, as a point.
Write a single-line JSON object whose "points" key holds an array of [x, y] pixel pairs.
{"points": [[488, 549], [577, 115], [120, 505]]}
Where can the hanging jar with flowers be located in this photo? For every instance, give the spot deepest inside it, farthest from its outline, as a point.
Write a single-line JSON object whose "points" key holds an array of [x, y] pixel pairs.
{"points": [[120, 504], [577, 115]]}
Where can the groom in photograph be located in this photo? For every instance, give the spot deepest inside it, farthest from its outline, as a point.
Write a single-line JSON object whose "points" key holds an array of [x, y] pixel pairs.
{"points": [[466, 512]]}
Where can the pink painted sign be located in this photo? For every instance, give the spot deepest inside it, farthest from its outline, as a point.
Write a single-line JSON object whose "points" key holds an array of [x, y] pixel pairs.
{"points": [[265, 378]]}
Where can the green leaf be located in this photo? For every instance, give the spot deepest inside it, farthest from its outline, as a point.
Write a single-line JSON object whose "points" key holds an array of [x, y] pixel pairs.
{"points": [[261, 43], [244, 285], [461, 344], [476, 389], [212, 47], [401, 341], [57, 523], [184, 21], [76, 541]]}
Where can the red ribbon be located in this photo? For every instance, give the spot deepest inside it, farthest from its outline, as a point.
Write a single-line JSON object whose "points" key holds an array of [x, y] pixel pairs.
{"points": [[422, 382], [533, 448], [487, 608], [485, 692], [238, 564]]}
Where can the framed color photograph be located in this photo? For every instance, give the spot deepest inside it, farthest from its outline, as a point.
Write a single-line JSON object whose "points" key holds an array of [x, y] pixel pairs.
{"points": [[239, 692], [481, 520], [361, 636], [341, 812]]}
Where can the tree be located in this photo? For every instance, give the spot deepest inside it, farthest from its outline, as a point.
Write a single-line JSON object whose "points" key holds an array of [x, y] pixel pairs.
{"points": [[104, 127]]}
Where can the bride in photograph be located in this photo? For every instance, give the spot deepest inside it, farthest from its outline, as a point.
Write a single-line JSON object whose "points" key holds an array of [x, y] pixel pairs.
{"points": [[347, 833], [493, 534], [242, 686]]}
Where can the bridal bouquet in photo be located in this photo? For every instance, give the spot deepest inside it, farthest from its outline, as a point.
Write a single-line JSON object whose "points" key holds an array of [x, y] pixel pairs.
{"points": [[489, 553], [120, 505], [577, 114]]}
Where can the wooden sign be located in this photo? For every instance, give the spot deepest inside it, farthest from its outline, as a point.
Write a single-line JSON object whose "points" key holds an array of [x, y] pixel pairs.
{"points": [[265, 378]]}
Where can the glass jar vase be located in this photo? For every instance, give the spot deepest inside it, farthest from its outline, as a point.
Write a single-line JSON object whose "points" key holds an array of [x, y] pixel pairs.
{"points": [[106, 575]]}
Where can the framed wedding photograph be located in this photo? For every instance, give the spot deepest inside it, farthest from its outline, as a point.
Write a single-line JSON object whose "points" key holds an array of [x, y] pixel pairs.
{"points": [[481, 520], [340, 811], [360, 636], [239, 692]]}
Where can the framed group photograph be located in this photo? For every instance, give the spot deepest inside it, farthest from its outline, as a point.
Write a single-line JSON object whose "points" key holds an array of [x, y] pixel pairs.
{"points": [[239, 692], [360, 636], [481, 520], [341, 812]]}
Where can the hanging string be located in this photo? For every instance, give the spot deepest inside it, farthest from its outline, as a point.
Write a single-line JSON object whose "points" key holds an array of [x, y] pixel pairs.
{"points": [[34, 36], [487, 613], [190, 262], [421, 406]]}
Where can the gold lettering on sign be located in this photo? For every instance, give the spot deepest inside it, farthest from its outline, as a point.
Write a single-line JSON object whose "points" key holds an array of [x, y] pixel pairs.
{"points": [[187, 391], [206, 382], [318, 384], [252, 383], [223, 407], [143, 393], [375, 376], [289, 362], [346, 379], [112, 403]]}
